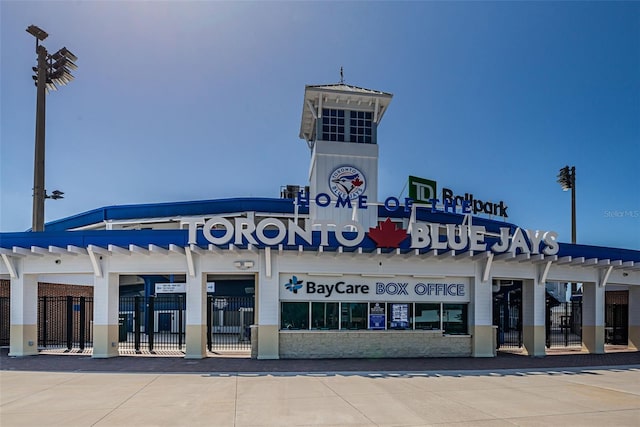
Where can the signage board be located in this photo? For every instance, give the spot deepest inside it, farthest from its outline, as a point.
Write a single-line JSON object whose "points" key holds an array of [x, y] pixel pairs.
{"points": [[305, 287], [180, 288]]}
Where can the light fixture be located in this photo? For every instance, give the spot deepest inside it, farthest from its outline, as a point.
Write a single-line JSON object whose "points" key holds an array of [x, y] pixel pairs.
{"points": [[566, 178], [55, 195], [243, 265], [37, 32]]}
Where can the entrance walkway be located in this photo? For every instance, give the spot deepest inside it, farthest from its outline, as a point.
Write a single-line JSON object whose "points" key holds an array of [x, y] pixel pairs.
{"points": [[161, 391]]}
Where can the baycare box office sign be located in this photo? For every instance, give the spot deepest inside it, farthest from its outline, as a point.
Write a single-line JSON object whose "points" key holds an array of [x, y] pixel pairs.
{"points": [[356, 288]]}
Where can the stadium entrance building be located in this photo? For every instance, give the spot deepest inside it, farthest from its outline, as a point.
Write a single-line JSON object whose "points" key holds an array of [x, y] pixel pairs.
{"points": [[330, 269]]}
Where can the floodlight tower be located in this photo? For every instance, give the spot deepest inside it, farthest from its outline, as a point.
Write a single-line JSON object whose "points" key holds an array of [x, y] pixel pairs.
{"points": [[51, 70], [567, 180]]}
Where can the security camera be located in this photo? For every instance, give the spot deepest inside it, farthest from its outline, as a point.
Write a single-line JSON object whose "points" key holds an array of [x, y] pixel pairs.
{"points": [[58, 261]]}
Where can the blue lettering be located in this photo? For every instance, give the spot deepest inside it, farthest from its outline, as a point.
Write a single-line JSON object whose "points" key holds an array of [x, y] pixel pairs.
{"points": [[390, 208], [303, 199], [362, 202], [343, 202], [449, 205], [408, 203], [323, 199], [420, 289], [392, 288]]}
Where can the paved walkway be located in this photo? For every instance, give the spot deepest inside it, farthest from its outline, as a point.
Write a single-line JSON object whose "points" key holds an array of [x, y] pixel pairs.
{"points": [[169, 391], [233, 364]]}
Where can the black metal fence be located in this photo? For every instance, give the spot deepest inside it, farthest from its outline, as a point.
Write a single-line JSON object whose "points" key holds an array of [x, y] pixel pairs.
{"points": [[5, 320], [564, 324], [65, 321], [153, 324], [616, 317], [229, 321], [508, 315]]}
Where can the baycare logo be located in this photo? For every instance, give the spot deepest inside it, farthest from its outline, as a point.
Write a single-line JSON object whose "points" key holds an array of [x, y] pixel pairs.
{"points": [[347, 182], [293, 284], [325, 289]]}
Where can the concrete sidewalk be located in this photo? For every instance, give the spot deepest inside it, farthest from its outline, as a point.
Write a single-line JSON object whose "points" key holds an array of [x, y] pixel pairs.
{"points": [[149, 363], [569, 389], [573, 397]]}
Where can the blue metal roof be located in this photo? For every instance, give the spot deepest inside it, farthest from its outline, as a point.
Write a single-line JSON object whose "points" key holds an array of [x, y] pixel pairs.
{"points": [[174, 209]]}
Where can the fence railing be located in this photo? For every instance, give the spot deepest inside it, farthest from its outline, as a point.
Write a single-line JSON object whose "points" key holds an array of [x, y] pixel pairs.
{"points": [[229, 321], [154, 323], [65, 321], [564, 324], [5, 320]]}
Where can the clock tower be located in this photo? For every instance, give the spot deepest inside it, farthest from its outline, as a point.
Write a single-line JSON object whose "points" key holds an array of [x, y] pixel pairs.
{"points": [[339, 124]]}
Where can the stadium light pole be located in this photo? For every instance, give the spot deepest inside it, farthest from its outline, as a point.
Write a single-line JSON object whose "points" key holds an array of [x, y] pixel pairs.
{"points": [[567, 180], [51, 70]]}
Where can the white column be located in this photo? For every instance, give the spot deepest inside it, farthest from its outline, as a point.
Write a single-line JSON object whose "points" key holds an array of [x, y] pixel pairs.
{"points": [[268, 302], [480, 315], [196, 330], [24, 314], [593, 317], [634, 317], [533, 317], [105, 313]]}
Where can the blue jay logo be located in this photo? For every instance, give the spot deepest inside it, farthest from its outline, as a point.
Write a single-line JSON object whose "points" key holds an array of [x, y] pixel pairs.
{"points": [[347, 182], [294, 284]]}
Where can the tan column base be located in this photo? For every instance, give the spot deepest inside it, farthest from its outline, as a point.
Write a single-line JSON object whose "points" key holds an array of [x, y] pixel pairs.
{"points": [[254, 341], [23, 340], [105, 341], [483, 341], [533, 338], [196, 337], [268, 338], [593, 339], [634, 337]]}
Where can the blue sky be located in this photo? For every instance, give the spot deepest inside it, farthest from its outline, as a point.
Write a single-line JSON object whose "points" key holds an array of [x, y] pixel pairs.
{"points": [[182, 101]]}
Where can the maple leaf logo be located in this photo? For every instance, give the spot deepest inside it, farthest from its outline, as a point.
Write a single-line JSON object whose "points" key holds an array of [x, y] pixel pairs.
{"points": [[386, 235], [357, 182]]}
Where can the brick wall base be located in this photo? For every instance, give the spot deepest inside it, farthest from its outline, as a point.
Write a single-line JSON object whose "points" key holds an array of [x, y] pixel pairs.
{"points": [[371, 344]]}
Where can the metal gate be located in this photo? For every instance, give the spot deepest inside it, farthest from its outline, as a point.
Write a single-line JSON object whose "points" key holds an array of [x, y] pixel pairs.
{"points": [[65, 321], [5, 320], [507, 316], [616, 328], [154, 324], [229, 321], [563, 324]]}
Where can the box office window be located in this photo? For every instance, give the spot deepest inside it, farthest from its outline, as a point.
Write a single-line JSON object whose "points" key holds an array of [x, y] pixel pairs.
{"points": [[295, 315], [428, 316], [450, 318], [454, 318], [325, 315], [354, 315]]}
